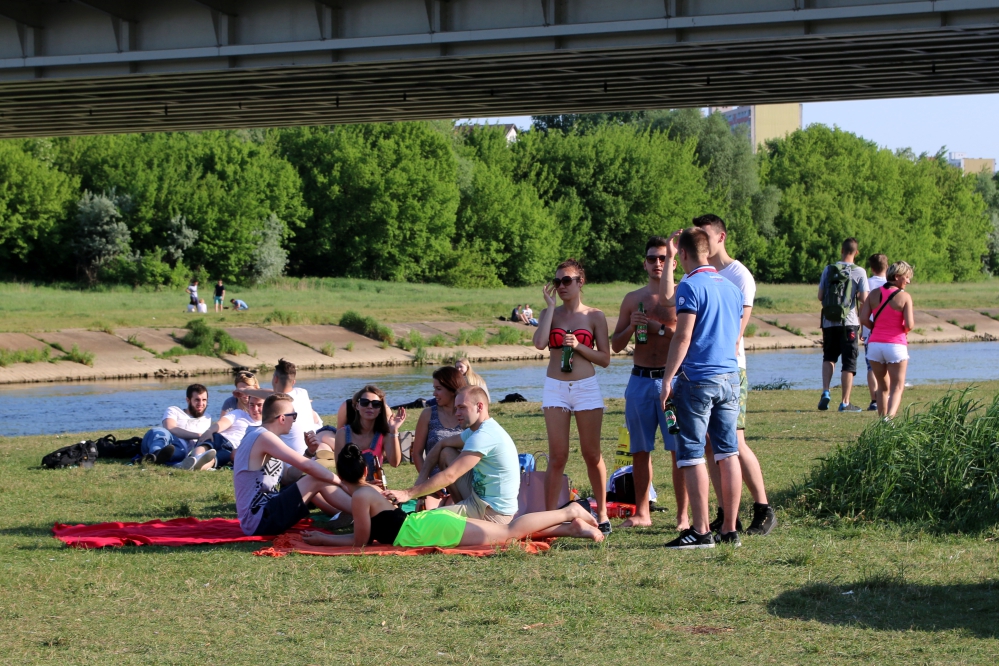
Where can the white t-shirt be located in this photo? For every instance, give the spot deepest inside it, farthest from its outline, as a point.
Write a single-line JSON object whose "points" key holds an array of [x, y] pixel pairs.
{"points": [[193, 291], [873, 283], [740, 276], [295, 439], [202, 307], [528, 312], [241, 421], [188, 422]]}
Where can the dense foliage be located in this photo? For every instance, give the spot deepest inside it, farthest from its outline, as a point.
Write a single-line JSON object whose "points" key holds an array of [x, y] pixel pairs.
{"points": [[435, 202]]}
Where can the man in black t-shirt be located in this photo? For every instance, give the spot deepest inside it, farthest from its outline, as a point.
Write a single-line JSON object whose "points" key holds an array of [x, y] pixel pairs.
{"points": [[219, 296]]}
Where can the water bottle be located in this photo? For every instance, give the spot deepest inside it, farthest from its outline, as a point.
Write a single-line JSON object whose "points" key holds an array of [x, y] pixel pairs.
{"points": [[567, 356], [671, 424], [641, 330]]}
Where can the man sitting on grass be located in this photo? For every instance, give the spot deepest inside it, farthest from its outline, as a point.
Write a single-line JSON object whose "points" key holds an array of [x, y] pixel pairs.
{"points": [[257, 473], [178, 433]]}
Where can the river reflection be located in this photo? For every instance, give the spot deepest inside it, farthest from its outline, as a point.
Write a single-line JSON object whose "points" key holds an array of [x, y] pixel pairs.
{"points": [[104, 406]]}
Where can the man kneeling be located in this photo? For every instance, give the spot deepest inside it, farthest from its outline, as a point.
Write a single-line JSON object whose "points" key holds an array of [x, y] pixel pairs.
{"points": [[257, 472]]}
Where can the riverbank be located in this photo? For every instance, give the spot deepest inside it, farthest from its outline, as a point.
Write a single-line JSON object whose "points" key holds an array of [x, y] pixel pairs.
{"points": [[136, 352]]}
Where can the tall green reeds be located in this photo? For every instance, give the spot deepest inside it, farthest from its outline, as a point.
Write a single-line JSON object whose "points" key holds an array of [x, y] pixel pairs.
{"points": [[938, 469]]}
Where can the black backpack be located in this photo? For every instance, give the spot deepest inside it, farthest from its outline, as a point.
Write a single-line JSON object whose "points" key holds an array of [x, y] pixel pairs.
{"points": [[838, 297], [624, 489], [514, 397], [82, 454], [110, 446]]}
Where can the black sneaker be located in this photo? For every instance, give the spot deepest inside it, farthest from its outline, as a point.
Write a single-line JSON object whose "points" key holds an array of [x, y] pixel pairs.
{"points": [[690, 539], [873, 407], [719, 520], [764, 520], [605, 527], [161, 457], [730, 539]]}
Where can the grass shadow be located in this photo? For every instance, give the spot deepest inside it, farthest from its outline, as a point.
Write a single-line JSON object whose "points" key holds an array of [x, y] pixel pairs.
{"points": [[26, 531], [885, 601]]}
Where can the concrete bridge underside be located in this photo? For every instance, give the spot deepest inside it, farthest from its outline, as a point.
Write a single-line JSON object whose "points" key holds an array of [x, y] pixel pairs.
{"points": [[104, 66]]}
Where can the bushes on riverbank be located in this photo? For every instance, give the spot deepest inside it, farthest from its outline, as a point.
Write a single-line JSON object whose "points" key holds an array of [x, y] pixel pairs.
{"points": [[938, 469]]}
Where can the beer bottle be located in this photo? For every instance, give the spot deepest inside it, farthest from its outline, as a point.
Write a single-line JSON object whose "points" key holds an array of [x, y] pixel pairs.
{"points": [[379, 474], [641, 330], [671, 424], [567, 356]]}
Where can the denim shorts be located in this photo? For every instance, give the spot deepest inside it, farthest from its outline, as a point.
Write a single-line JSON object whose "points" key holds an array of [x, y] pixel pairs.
{"points": [[578, 395], [710, 406], [643, 413]]}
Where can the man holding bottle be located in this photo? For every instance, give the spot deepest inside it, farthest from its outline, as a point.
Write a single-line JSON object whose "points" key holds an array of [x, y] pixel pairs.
{"points": [[642, 311]]}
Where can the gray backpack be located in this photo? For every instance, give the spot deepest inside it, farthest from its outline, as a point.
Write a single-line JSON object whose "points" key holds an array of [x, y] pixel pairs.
{"points": [[838, 298]]}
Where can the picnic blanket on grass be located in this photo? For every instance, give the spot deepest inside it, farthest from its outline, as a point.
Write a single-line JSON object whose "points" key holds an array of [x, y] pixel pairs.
{"points": [[291, 542], [175, 532]]}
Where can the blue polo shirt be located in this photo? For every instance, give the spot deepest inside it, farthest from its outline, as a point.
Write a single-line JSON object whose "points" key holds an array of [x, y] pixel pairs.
{"points": [[717, 304]]}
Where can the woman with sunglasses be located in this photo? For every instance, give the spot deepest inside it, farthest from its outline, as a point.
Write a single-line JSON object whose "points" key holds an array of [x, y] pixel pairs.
{"points": [[372, 430], [584, 330]]}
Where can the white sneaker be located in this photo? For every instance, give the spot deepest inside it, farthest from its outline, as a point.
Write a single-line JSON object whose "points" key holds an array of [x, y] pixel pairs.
{"points": [[205, 460], [188, 462]]}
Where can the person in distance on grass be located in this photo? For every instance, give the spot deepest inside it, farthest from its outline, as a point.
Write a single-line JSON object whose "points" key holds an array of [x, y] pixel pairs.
{"points": [[480, 465], [377, 519], [202, 306], [878, 264], [642, 414], [192, 293], [178, 433], [840, 324], [764, 519], [257, 471], [226, 434], [702, 356], [238, 305], [890, 311], [219, 296]]}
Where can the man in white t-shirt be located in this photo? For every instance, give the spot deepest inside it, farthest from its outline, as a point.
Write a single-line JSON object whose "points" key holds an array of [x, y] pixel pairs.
{"points": [[226, 434], [764, 519], [179, 431], [192, 293], [878, 264]]}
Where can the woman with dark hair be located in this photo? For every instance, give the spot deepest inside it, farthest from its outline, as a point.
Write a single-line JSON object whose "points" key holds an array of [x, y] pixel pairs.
{"points": [[576, 336], [372, 430], [438, 420], [377, 519]]}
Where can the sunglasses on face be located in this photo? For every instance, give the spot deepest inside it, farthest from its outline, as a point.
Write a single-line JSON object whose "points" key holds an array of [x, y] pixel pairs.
{"points": [[565, 281], [366, 402], [656, 259], [290, 415]]}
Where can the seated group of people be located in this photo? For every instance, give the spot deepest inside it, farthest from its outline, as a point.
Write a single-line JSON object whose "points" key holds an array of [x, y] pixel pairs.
{"points": [[285, 463]]}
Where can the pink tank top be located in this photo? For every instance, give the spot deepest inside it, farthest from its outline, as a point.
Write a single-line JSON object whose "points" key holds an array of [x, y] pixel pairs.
{"points": [[889, 327]]}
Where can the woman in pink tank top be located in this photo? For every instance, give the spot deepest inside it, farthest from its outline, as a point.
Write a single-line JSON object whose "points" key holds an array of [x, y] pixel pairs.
{"points": [[888, 312]]}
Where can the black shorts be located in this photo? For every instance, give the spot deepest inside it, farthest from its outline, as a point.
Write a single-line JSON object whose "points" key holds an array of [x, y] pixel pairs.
{"points": [[841, 341], [282, 512]]}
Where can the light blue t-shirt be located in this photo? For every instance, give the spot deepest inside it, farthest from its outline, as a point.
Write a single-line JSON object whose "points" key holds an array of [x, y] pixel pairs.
{"points": [[495, 478], [241, 305], [717, 304]]}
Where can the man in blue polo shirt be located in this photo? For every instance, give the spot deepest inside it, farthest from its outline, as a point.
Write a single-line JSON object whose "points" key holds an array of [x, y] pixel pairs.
{"points": [[702, 357]]}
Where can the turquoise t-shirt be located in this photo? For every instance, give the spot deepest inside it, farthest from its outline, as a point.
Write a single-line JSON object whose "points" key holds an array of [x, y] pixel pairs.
{"points": [[495, 478]]}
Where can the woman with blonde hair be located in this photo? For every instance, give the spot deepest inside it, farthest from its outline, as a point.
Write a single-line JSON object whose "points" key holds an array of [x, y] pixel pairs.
{"points": [[472, 378], [244, 379], [889, 313]]}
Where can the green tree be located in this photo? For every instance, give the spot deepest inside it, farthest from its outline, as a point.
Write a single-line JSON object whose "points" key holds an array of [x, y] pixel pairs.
{"points": [[987, 186], [100, 235]]}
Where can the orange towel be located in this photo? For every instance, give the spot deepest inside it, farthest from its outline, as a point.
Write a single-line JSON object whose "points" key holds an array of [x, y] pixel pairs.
{"points": [[291, 542]]}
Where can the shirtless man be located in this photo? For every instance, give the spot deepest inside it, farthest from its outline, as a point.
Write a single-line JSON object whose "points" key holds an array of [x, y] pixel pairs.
{"points": [[642, 411]]}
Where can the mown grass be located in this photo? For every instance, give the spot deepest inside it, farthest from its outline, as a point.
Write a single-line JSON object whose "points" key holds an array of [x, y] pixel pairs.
{"points": [[27, 307], [845, 593]]}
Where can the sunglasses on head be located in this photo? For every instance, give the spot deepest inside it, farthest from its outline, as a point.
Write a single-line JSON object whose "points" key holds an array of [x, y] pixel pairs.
{"points": [[565, 281], [656, 258], [367, 402]]}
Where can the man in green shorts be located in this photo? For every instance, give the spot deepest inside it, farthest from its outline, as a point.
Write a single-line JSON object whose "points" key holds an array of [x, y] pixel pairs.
{"points": [[480, 465]]}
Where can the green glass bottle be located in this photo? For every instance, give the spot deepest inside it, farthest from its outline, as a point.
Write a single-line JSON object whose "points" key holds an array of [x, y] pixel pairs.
{"points": [[567, 356], [641, 330], [671, 425]]}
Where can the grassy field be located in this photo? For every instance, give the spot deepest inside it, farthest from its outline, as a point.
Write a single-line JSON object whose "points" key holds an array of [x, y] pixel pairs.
{"points": [[26, 307], [810, 593]]}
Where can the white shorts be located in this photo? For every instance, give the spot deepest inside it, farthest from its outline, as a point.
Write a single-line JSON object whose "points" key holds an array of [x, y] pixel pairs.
{"points": [[886, 352], [574, 396]]}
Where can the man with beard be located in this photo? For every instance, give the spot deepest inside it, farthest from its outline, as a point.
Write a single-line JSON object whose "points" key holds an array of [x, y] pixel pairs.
{"points": [[179, 432]]}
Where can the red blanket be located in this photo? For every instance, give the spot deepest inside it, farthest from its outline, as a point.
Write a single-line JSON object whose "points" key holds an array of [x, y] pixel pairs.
{"points": [[175, 532], [291, 542]]}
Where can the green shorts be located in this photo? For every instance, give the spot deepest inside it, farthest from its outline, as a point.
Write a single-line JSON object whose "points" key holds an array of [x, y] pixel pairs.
{"points": [[437, 527], [740, 423]]}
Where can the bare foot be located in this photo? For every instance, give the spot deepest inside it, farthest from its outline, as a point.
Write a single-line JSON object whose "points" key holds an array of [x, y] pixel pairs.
{"points": [[579, 513], [637, 521], [314, 538], [584, 530]]}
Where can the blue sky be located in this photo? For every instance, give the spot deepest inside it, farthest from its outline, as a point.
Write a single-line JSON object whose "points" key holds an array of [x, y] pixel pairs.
{"points": [[962, 123]]}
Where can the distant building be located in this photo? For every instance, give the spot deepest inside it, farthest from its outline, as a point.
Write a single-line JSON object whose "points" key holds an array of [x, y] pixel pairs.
{"points": [[509, 129], [763, 121], [510, 132], [974, 165]]}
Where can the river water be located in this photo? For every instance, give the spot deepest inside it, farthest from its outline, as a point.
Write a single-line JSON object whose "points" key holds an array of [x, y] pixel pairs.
{"points": [[105, 406]]}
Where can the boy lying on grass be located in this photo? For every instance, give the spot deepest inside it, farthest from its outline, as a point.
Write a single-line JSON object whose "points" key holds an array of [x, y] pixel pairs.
{"points": [[377, 519], [257, 472]]}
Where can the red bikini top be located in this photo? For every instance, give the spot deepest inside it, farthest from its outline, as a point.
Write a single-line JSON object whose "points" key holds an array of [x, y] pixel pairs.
{"points": [[557, 337]]}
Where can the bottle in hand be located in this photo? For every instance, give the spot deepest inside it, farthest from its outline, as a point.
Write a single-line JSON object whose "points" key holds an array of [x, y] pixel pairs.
{"points": [[567, 356], [671, 425], [641, 330]]}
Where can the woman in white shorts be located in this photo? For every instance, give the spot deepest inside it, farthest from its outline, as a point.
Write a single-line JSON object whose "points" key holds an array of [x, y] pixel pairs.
{"points": [[890, 309], [584, 329]]}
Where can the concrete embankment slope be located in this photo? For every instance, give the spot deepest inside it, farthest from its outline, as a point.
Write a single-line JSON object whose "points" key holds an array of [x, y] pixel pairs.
{"points": [[134, 352]]}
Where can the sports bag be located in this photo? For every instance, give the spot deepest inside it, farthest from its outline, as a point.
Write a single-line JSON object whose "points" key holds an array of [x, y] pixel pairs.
{"points": [[839, 296], [82, 454], [621, 486], [110, 446]]}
